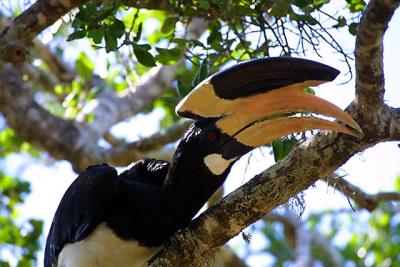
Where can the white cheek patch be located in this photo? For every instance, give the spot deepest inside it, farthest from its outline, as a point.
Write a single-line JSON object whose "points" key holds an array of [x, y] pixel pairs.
{"points": [[217, 164]]}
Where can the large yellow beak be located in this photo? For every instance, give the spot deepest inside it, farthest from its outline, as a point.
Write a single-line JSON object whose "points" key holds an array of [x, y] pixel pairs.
{"points": [[260, 118]]}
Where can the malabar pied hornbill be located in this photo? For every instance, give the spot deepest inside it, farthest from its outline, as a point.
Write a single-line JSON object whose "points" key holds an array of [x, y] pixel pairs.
{"points": [[110, 219]]}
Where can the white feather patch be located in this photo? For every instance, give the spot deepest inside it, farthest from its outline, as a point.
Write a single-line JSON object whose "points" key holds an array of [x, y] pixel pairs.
{"points": [[216, 163], [102, 248]]}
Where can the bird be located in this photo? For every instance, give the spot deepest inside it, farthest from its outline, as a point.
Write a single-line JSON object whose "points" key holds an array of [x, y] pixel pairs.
{"points": [[110, 219]]}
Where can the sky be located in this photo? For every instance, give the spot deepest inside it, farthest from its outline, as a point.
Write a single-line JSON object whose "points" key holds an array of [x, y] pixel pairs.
{"points": [[373, 170]]}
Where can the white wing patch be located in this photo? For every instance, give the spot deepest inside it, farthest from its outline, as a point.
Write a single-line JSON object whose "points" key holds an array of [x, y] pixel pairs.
{"points": [[102, 248]]}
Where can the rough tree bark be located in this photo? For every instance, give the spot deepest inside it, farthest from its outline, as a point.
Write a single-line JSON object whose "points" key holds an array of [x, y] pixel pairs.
{"points": [[318, 157]]}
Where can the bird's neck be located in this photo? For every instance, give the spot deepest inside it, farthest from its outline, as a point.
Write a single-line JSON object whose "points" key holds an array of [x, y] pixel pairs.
{"points": [[188, 186]]}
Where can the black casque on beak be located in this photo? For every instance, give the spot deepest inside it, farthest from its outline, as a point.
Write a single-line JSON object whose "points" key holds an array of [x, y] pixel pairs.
{"points": [[250, 102]]}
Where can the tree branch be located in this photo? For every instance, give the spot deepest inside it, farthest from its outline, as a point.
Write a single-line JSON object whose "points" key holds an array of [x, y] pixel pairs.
{"points": [[273, 187], [394, 128], [108, 108], [369, 55], [66, 139], [225, 257], [17, 37], [364, 200], [63, 139], [60, 72]]}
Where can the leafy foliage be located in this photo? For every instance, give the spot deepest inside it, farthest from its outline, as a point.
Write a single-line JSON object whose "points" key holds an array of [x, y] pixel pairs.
{"points": [[360, 238], [19, 242], [11, 143]]}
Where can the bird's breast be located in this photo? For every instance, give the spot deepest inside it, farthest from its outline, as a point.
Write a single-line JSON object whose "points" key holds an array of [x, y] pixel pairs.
{"points": [[102, 248]]}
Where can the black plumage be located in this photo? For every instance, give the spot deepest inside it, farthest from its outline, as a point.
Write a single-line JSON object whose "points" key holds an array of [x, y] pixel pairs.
{"points": [[144, 203], [100, 195]]}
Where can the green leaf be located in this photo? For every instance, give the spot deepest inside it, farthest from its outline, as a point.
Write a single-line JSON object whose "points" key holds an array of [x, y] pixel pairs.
{"points": [[168, 56], [309, 90], [76, 35], [353, 28], [143, 55], [280, 8], [84, 66], [182, 89], [307, 19], [197, 43], [319, 3], [341, 22], [179, 41], [111, 41], [281, 148], [302, 3], [91, 8], [117, 29], [215, 37], [201, 74], [96, 35], [397, 183], [169, 24], [203, 4], [77, 23], [356, 5], [138, 33]]}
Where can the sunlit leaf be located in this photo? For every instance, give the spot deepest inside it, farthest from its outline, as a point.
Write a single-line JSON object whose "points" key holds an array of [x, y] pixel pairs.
{"points": [[84, 66], [169, 24]]}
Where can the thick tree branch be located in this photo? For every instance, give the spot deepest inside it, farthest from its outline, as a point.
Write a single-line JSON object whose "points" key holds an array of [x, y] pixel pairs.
{"points": [[59, 68], [60, 72], [300, 169], [63, 139], [315, 158], [394, 123], [108, 108], [66, 139], [225, 257], [363, 199], [369, 55], [17, 37], [37, 76]]}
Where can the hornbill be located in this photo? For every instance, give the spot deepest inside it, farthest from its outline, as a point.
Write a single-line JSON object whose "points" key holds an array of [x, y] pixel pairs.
{"points": [[111, 219]]}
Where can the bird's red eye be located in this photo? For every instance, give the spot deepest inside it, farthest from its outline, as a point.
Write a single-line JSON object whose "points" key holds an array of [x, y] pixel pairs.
{"points": [[212, 136]]}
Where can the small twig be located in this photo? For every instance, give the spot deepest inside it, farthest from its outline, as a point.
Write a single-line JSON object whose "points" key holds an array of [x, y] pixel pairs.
{"points": [[363, 199]]}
